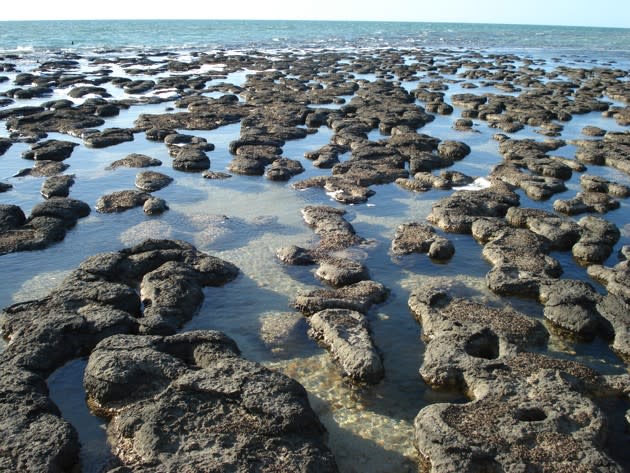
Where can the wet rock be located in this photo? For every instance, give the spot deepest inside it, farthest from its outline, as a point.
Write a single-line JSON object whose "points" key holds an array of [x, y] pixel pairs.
{"points": [[341, 189], [283, 169], [248, 166], [83, 90], [615, 279], [327, 156], [35, 437], [593, 131], [517, 397], [57, 186], [232, 413], [154, 206], [107, 110], [424, 181], [597, 240], [457, 212], [536, 187], [212, 175], [572, 306], [120, 201], [421, 238], [340, 271], [520, 261], [358, 297], [107, 137], [586, 202], [4, 187], [468, 101], [345, 334], [488, 228], [5, 144], [135, 160], [613, 150], [99, 299], [615, 310], [463, 124], [335, 232], [138, 86], [598, 184], [295, 255], [191, 160], [151, 181], [50, 150], [562, 232], [453, 150], [43, 169]]}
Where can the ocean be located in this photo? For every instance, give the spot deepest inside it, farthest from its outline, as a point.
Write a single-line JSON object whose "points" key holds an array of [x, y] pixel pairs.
{"points": [[40, 36], [245, 219]]}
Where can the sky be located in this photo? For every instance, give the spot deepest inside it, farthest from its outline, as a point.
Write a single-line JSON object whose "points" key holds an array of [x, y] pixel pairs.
{"points": [[611, 13]]}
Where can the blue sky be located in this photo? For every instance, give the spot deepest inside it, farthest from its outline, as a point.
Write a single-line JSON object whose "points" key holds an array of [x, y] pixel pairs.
{"points": [[613, 13]]}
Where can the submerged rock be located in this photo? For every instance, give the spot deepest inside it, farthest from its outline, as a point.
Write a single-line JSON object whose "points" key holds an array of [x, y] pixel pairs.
{"points": [[150, 181], [346, 335]]}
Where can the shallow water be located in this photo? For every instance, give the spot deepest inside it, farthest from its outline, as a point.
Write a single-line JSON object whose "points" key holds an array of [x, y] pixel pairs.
{"points": [[244, 220]]}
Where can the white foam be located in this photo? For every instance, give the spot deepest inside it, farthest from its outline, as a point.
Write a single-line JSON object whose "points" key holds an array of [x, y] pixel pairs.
{"points": [[477, 185]]}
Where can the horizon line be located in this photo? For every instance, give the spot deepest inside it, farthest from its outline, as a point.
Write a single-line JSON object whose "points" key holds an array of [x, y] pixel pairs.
{"points": [[319, 20]]}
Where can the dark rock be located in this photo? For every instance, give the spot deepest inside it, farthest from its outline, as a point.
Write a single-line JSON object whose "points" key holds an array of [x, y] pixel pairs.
{"points": [[215, 175], [44, 169], [453, 150], [233, 414], [562, 232], [335, 232], [107, 137], [57, 186], [11, 217], [138, 86], [586, 202], [82, 91], [120, 201], [4, 187], [35, 437], [597, 240], [340, 271], [536, 187], [248, 166], [345, 333], [50, 150], [283, 169], [5, 144], [598, 184], [457, 212], [191, 160], [107, 110], [341, 189], [616, 279], [66, 210], [358, 297], [135, 160], [150, 181], [154, 206], [593, 131], [295, 255], [421, 238], [520, 262]]}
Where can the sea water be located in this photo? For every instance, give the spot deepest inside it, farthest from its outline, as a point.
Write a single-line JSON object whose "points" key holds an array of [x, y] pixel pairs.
{"points": [[245, 219]]}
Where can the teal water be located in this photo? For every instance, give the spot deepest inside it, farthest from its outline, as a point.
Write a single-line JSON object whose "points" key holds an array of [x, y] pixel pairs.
{"points": [[212, 34]]}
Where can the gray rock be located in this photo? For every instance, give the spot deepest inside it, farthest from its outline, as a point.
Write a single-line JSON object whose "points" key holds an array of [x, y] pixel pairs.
{"points": [[597, 240], [358, 297], [454, 150], [154, 206], [421, 238], [191, 160], [151, 181], [283, 169], [586, 202], [44, 169], [233, 414], [598, 184], [616, 279], [341, 271], [345, 334], [120, 201], [562, 232], [215, 175], [135, 160], [107, 137], [457, 212], [295, 255], [50, 150], [57, 186]]}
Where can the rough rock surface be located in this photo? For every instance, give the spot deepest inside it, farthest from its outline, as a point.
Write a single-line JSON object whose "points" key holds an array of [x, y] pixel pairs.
{"points": [[47, 224], [232, 414], [527, 410], [457, 212], [358, 297], [135, 160], [120, 201], [50, 150], [596, 241], [57, 186], [107, 137], [345, 334], [417, 237], [151, 181], [586, 202], [191, 159]]}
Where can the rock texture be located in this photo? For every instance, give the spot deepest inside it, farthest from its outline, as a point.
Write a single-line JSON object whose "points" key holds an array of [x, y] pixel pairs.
{"points": [[232, 414]]}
